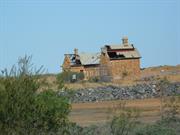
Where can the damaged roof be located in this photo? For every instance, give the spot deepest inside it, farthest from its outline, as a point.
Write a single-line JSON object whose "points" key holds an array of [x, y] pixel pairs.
{"points": [[85, 58], [89, 58], [128, 46], [122, 51], [130, 54], [72, 58]]}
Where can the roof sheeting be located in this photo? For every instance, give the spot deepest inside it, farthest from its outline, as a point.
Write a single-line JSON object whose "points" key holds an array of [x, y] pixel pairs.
{"points": [[128, 46], [89, 58], [130, 54], [85, 58]]}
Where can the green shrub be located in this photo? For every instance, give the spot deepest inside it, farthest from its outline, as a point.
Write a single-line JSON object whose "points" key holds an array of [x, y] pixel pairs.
{"points": [[67, 76], [124, 120], [73, 129], [122, 124], [155, 129], [51, 111], [25, 111], [169, 105], [94, 79]]}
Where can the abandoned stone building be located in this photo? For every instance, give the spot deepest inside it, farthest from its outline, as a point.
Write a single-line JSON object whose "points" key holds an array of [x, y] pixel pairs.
{"points": [[113, 63]]}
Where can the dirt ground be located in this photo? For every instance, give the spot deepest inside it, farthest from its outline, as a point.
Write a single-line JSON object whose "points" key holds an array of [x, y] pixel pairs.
{"points": [[93, 113], [172, 73]]}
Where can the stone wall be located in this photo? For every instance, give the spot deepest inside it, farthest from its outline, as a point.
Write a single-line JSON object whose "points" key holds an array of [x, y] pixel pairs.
{"points": [[66, 63], [115, 70], [77, 69], [125, 69], [105, 69], [91, 71]]}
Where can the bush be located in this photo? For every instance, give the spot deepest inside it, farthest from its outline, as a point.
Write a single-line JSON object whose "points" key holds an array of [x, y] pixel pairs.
{"points": [[169, 107], [25, 111], [67, 76], [73, 129], [155, 129], [52, 111], [94, 79], [123, 124], [124, 119]]}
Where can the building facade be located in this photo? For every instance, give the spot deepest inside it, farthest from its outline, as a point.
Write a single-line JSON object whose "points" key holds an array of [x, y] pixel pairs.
{"points": [[113, 63]]}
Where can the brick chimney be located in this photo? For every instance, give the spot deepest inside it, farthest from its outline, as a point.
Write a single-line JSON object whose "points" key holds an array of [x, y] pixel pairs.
{"points": [[125, 41], [76, 51]]}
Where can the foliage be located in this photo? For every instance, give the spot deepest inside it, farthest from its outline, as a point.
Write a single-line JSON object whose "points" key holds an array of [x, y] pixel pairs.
{"points": [[94, 79], [170, 105], [172, 123], [51, 110], [123, 124], [67, 76], [155, 129], [124, 120], [73, 129], [60, 80], [25, 111]]}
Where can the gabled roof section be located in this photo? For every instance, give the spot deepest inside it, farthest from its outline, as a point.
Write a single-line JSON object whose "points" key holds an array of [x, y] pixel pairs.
{"points": [[84, 59], [89, 58]]}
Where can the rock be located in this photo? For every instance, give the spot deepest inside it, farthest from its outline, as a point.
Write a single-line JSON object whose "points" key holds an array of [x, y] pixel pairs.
{"points": [[154, 91], [140, 91]]}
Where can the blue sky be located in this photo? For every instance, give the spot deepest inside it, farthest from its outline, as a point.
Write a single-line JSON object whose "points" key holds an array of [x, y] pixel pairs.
{"points": [[46, 29]]}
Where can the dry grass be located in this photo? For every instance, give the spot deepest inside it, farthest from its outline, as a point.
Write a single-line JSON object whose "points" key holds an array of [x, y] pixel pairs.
{"points": [[93, 113], [172, 73], [98, 112], [109, 104]]}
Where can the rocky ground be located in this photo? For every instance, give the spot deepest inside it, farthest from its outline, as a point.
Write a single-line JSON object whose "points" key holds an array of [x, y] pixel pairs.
{"points": [[139, 91]]}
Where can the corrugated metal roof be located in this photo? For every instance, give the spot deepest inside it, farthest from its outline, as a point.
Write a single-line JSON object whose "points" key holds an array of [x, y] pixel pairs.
{"points": [[130, 54], [128, 46], [89, 58], [85, 58]]}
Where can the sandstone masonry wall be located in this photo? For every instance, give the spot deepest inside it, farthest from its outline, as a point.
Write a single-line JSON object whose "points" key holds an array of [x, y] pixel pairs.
{"points": [[125, 69]]}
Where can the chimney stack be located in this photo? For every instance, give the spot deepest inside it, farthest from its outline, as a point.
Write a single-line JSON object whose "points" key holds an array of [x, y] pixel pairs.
{"points": [[125, 41], [76, 51]]}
